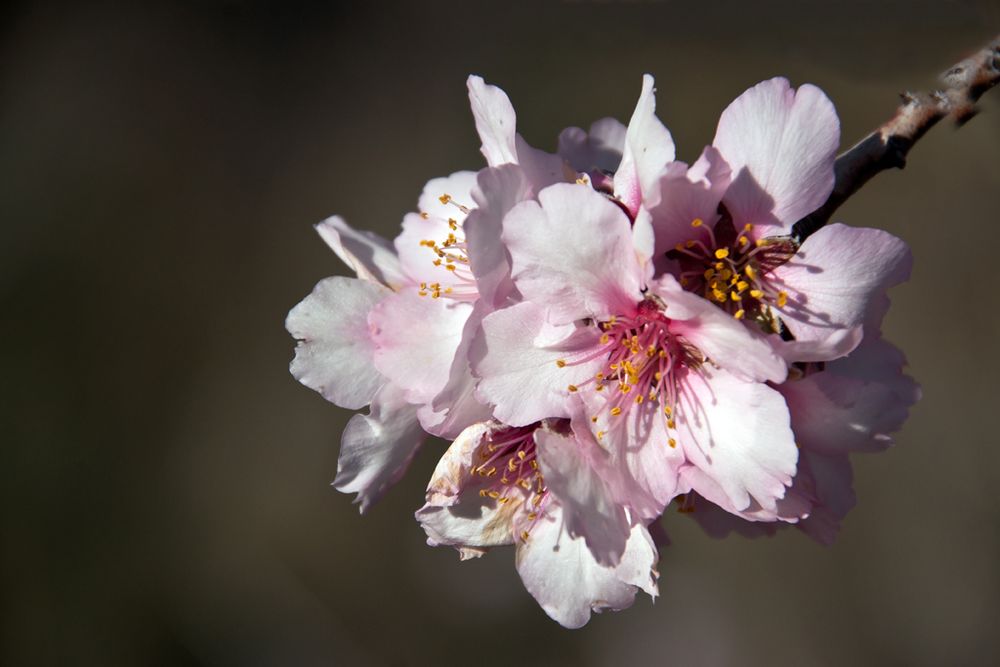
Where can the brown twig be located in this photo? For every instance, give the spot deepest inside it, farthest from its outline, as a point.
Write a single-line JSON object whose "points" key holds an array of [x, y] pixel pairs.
{"points": [[887, 146]]}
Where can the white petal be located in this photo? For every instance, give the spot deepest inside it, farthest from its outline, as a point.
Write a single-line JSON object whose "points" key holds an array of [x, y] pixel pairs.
{"points": [[335, 354], [495, 121], [648, 149], [369, 255], [376, 449], [561, 574]]}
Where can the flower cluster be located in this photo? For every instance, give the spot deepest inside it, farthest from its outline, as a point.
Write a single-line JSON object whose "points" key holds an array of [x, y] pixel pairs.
{"points": [[604, 331]]}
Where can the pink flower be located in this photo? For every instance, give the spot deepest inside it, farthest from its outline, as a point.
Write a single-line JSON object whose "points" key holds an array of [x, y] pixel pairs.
{"points": [[771, 164], [674, 388], [535, 487]]}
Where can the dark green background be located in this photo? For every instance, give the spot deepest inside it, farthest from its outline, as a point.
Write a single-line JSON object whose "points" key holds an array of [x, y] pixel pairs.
{"points": [[165, 482]]}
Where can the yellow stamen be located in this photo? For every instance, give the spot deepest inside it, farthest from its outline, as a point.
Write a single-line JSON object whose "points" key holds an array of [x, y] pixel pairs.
{"points": [[722, 253]]}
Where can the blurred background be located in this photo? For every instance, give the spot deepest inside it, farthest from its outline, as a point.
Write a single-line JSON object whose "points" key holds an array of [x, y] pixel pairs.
{"points": [[165, 487]]}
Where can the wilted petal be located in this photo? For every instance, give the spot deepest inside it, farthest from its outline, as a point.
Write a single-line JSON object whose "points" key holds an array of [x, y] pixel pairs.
{"points": [[335, 354], [376, 449]]}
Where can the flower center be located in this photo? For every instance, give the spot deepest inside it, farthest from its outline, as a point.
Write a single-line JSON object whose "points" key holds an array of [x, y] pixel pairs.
{"points": [[734, 272], [451, 255], [508, 463], [645, 362]]}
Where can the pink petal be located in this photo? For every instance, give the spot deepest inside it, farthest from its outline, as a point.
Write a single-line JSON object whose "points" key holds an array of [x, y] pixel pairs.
{"points": [[561, 574], [455, 407], [725, 340], [600, 148], [416, 339], [376, 449], [687, 195], [834, 277], [496, 122], [498, 190], [855, 403], [571, 468], [781, 145], [834, 488], [574, 253], [648, 149], [523, 380], [736, 436], [369, 255], [335, 351]]}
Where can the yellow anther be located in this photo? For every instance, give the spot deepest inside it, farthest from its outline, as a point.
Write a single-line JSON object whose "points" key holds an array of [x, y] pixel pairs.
{"points": [[749, 270], [482, 492], [697, 222], [683, 282], [743, 241], [671, 423], [672, 442], [444, 199], [689, 244], [709, 274], [605, 338], [667, 410], [657, 376], [756, 293], [678, 246], [447, 290], [615, 411], [747, 227], [524, 536], [663, 354], [600, 434], [493, 494], [625, 387], [734, 296], [450, 267], [719, 296], [739, 314], [639, 399], [782, 299], [761, 242], [572, 387], [599, 387], [742, 285], [594, 419], [437, 262], [424, 215], [453, 223], [520, 454], [560, 363], [720, 265], [722, 253], [534, 464]]}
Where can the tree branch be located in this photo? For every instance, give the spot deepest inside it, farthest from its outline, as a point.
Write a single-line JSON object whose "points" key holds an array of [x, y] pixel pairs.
{"points": [[887, 146]]}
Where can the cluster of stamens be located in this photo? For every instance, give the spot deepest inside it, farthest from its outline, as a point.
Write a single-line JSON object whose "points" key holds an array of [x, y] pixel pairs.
{"points": [[644, 363], [451, 254], [734, 275], [507, 460]]}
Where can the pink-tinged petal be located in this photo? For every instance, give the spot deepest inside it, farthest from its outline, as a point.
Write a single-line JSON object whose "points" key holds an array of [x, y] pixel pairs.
{"points": [[639, 447], [723, 338], [574, 253], [571, 469], [496, 122], [435, 222], [525, 382], [600, 148], [781, 145], [456, 188], [837, 344], [369, 255], [456, 407], [835, 275], [456, 513], [648, 149], [644, 242], [561, 574], [416, 338], [719, 523], [689, 194], [737, 437], [335, 352], [833, 481], [542, 169], [376, 449], [498, 190], [855, 403]]}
